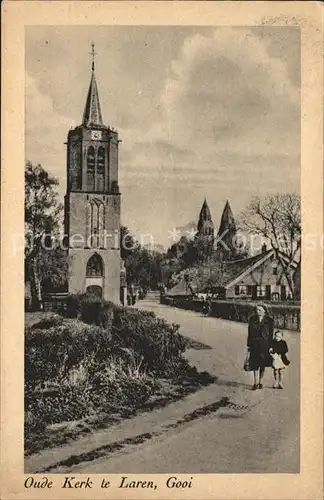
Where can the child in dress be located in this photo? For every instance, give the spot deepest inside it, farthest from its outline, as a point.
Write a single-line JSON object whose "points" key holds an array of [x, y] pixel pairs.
{"points": [[278, 351]]}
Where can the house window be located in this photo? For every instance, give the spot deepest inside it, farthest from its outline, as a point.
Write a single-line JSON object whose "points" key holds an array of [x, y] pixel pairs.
{"points": [[275, 270], [243, 290], [94, 267], [261, 291]]}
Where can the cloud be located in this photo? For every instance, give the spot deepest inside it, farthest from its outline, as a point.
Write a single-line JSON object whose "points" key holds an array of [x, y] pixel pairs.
{"points": [[226, 91], [45, 131], [228, 128], [201, 112], [229, 115]]}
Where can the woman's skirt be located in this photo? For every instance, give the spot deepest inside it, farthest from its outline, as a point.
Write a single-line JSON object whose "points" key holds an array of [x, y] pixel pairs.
{"points": [[259, 354]]}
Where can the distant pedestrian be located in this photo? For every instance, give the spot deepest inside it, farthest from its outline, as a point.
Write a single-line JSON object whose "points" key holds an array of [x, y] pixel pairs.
{"points": [[278, 352], [260, 335], [205, 306]]}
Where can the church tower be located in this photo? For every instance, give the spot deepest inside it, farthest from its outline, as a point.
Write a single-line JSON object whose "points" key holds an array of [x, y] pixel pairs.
{"points": [[92, 203], [205, 234]]}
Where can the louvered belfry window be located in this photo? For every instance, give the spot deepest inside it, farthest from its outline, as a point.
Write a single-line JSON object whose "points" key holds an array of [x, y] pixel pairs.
{"points": [[91, 161], [101, 169]]}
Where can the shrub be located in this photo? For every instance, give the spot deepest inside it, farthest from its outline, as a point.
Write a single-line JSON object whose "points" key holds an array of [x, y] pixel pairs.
{"points": [[48, 321], [108, 362], [159, 344], [56, 403], [84, 390], [51, 353], [90, 309]]}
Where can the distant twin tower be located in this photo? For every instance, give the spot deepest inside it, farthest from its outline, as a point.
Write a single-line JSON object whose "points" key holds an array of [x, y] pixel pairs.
{"points": [[224, 248]]}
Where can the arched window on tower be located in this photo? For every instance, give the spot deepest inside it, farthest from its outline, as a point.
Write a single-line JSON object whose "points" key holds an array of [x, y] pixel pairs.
{"points": [[88, 224], [95, 267], [91, 160], [101, 215], [94, 224], [96, 216], [101, 170]]}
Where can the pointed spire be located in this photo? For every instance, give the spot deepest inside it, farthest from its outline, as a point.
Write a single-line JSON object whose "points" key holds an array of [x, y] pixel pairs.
{"points": [[227, 220], [93, 55], [204, 215], [205, 212], [92, 111]]}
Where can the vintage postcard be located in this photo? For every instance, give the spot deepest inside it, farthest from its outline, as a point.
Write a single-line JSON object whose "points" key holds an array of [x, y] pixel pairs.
{"points": [[162, 263]]}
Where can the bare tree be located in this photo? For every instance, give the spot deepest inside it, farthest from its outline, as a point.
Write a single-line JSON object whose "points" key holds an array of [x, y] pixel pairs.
{"points": [[277, 218]]}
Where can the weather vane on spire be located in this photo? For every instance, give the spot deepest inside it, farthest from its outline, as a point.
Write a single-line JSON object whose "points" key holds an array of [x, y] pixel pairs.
{"points": [[93, 54]]}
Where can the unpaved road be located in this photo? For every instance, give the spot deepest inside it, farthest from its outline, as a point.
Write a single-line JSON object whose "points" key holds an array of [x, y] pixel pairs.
{"points": [[259, 434]]}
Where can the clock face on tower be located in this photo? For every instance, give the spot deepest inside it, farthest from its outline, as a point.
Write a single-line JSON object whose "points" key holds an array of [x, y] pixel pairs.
{"points": [[96, 135]]}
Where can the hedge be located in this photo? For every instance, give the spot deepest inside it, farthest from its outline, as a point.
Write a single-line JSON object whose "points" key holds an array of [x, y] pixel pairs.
{"points": [[285, 316]]}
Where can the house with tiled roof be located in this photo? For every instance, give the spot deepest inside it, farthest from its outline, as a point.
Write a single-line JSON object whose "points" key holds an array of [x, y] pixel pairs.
{"points": [[261, 277], [265, 276]]}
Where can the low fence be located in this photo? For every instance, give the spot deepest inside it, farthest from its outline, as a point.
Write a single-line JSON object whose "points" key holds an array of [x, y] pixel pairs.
{"points": [[56, 302], [286, 316]]}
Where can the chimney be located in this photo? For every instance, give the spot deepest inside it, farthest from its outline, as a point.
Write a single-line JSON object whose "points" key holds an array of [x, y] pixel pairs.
{"points": [[263, 248]]}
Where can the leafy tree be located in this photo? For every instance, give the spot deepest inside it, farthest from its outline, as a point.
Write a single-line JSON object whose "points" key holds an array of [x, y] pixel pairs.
{"points": [[52, 264], [278, 219], [209, 275], [143, 266], [42, 218], [181, 255], [128, 244]]}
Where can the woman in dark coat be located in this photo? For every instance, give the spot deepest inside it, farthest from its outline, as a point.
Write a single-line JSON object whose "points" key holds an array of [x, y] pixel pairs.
{"points": [[259, 340]]}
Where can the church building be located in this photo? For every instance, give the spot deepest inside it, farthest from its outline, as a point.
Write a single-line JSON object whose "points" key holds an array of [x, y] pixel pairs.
{"points": [[92, 203]]}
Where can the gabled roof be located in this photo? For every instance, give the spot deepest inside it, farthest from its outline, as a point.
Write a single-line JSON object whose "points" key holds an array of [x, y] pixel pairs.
{"points": [[92, 112], [180, 289], [236, 270]]}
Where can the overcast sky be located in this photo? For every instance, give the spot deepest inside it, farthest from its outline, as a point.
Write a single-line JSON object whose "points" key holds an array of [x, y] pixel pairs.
{"points": [[201, 112]]}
